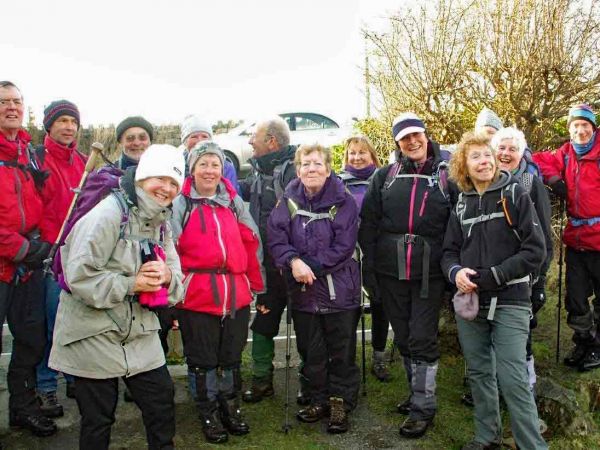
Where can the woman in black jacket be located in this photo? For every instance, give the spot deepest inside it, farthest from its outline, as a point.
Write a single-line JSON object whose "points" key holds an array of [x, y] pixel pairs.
{"points": [[492, 244], [403, 219]]}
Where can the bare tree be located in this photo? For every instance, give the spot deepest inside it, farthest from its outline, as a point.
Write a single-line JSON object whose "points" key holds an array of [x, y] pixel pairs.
{"points": [[528, 60]]}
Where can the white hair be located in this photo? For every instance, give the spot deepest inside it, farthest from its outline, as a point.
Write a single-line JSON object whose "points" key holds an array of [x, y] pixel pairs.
{"points": [[510, 133]]}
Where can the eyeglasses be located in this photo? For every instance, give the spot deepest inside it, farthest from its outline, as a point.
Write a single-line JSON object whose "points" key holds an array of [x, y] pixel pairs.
{"points": [[14, 101]]}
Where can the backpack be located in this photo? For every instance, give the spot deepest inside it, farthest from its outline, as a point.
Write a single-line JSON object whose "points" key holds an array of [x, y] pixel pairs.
{"points": [[439, 177], [189, 205], [509, 210], [98, 185]]}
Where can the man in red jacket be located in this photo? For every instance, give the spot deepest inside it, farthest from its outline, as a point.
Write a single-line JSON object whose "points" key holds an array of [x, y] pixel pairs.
{"points": [[573, 173], [22, 253], [65, 165]]}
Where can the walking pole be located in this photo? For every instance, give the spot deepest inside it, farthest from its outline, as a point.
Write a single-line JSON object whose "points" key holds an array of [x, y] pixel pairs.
{"points": [[288, 351], [363, 295], [561, 213], [97, 148]]}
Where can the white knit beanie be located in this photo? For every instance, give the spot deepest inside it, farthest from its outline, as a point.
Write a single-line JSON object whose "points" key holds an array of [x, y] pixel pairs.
{"points": [[192, 124], [161, 160]]}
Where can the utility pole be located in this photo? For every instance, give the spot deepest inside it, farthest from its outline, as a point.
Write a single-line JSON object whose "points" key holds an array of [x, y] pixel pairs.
{"points": [[367, 79]]}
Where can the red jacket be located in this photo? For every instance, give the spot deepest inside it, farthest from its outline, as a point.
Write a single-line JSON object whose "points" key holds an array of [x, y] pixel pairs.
{"points": [[219, 250], [65, 166], [582, 177], [20, 204]]}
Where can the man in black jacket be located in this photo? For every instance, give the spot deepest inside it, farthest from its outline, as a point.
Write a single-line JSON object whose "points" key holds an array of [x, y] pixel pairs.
{"points": [[272, 169]]}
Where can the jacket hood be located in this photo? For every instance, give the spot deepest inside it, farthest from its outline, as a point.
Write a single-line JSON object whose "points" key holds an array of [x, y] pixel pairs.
{"points": [[268, 162], [332, 193], [137, 198], [224, 196], [504, 179], [60, 151]]}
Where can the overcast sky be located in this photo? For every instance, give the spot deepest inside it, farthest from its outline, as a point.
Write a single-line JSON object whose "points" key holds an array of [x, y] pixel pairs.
{"points": [[225, 59]]}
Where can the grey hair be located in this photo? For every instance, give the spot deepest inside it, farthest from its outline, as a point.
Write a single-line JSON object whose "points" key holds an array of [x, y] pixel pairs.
{"points": [[510, 133], [278, 128]]}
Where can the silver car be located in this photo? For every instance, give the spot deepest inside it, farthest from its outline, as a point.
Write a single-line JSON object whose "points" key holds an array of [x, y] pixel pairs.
{"points": [[305, 128]]}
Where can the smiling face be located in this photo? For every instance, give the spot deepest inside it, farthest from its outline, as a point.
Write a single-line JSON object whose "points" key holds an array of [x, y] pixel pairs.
{"points": [[359, 155], [194, 138], [508, 154], [160, 189], [313, 171], [135, 141], [581, 131], [64, 130], [11, 111], [414, 146], [481, 166], [207, 174]]}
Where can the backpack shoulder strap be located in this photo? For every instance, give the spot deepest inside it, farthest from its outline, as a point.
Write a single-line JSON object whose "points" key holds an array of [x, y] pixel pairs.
{"points": [[279, 176], [124, 211], [391, 174]]}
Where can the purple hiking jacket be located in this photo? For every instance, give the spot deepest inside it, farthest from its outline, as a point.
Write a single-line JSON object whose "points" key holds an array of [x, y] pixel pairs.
{"points": [[327, 246]]}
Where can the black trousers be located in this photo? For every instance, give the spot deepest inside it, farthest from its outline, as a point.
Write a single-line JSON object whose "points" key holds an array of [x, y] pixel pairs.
{"points": [[153, 393], [379, 326], [583, 270], [414, 319], [330, 366], [165, 318], [23, 306], [213, 341], [276, 300]]}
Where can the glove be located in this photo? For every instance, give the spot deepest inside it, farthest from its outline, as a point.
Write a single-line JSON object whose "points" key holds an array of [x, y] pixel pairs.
{"points": [[538, 295], [485, 280], [559, 188], [37, 253], [39, 177], [314, 265], [370, 282]]}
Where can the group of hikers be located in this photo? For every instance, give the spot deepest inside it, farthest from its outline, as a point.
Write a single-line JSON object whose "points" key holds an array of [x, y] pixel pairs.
{"points": [[97, 266]]}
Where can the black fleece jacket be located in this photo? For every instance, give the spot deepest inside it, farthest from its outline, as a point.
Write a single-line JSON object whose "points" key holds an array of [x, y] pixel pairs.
{"points": [[492, 247]]}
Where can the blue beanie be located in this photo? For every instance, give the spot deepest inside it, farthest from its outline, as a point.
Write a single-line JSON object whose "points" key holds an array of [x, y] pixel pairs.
{"points": [[406, 123], [582, 111]]}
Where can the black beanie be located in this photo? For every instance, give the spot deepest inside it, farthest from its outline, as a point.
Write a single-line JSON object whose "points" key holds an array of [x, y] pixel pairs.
{"points": [[60, 108], [135, 121]]}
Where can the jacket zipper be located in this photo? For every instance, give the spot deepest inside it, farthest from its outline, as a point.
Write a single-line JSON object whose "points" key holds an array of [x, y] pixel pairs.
{"points": [[577, 232], [125, 338], [410, 227], [222, 245], [422, 210], [19, 192]]}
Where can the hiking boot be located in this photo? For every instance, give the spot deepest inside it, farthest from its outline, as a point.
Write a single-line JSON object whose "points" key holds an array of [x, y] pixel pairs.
{"points": [[311, 414], [38, 425], [474, 445], [574, 358], [412, 428], [211, 425], [380, 370], [404, 407], [49, 405], [231, 416], [590, 361], [467, 399], [379, 367], [338, 419], [260, 389], [71, 390]]}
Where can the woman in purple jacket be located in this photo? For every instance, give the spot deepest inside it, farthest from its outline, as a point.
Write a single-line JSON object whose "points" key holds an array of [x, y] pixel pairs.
{"points": [[360, 164], [312, 234]]}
